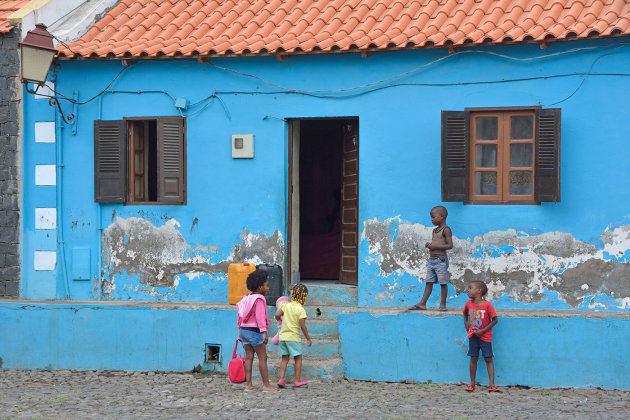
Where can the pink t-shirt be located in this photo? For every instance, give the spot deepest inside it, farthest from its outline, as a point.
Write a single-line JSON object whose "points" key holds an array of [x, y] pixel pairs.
{"points": [[257, 317], [479, 316]]}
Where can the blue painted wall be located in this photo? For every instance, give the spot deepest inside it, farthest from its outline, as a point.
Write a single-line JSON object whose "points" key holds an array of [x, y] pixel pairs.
{"points": [[541, 352], [109, 337], [229, 199], [532, 351]]}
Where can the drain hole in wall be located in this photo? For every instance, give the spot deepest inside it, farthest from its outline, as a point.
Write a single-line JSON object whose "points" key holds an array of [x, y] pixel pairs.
{"points": [[318, 312], [213, 353]]}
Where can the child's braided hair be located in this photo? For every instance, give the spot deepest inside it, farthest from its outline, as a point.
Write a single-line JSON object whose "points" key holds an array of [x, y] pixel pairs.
{"points": [[299, 293]]}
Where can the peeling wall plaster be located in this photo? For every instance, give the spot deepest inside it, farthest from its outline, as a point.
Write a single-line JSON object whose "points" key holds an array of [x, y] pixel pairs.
{"points": [[511, 262], [159, 255]]}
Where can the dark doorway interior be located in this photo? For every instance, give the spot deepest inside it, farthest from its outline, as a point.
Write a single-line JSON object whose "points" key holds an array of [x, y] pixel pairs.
{"points": [[320, 198]]}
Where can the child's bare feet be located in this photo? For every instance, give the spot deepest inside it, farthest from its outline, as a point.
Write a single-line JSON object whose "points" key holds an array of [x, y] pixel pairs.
{"points": [[249, 388], [269, 388]]}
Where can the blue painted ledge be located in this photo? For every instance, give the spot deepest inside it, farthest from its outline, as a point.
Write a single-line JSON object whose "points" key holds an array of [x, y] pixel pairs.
{"points": [[533, 348], [539, 348]]}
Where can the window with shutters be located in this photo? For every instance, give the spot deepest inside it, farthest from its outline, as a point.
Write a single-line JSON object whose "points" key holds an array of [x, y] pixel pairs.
{"points": [[501, 155], [140, 161]]}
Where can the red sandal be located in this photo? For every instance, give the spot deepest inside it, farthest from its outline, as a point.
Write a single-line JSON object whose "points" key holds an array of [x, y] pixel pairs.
{"points": [[470, 387], [494, 388]]}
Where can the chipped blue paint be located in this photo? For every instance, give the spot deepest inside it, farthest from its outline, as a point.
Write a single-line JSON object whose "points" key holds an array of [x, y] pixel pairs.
{"points": [[495, 251], [201, 288], [393, 230], [625, 257]]}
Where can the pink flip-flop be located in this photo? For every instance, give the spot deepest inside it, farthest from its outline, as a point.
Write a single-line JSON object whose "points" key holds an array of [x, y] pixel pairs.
{"points": [[281, 384], [300, 384]]}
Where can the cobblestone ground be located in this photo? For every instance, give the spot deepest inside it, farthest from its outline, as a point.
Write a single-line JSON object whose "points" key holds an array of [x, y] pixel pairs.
{"points": [[100, 394]]}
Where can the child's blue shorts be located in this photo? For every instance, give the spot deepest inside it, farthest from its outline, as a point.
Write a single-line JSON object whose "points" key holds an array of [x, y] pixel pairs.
{"points": [[437, 270], [475, 344], [251, 336]]}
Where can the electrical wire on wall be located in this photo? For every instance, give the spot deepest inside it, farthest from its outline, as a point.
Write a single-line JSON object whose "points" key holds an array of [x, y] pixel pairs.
{"points": [[429, 64], [367, 88]]}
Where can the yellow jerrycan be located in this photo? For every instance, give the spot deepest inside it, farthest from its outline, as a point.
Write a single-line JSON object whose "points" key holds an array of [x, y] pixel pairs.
{"points": [[237, 281]]}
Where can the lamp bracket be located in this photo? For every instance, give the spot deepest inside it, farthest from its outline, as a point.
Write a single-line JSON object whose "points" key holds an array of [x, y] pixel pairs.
{"points": [[53, 101]]}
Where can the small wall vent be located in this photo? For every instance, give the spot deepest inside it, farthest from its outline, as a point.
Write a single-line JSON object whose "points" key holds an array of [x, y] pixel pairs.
{"points": [[213, 353]]}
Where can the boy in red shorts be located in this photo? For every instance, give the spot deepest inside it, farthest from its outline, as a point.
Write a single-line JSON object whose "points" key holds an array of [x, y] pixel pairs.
{"points": [[479, 318]]}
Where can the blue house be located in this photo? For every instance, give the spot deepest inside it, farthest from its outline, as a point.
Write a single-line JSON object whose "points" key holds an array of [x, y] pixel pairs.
{"points": [[317, 136]]}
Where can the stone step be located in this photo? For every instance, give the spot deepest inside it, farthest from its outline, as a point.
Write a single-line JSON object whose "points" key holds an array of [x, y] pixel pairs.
{"points": [[317, 327], [321, 348]]}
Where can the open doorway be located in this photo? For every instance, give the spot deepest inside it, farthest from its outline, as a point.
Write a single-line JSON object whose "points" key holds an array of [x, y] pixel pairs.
{"points": [[323, 200]]}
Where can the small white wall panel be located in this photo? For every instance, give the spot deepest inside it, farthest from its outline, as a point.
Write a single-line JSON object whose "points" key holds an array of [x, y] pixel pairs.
{"points": [[46, 218], [45, 132], [45, 175], [45, 260], [242, 146], [44, 92]]}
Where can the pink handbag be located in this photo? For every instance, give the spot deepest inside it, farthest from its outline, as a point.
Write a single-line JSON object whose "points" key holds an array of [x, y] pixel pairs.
{"points": [[236, 367]]}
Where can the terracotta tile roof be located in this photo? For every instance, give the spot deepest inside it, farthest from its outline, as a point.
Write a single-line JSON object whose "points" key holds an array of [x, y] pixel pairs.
{"points": [[7, 8], [138, 28]]}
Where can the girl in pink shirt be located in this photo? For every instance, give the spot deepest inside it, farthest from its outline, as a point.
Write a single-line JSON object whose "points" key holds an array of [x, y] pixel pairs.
{"points": [[253, 323]]}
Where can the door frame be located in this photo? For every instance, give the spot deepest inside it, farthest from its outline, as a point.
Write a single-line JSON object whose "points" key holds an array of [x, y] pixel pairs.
{"points": [[293, 196]]}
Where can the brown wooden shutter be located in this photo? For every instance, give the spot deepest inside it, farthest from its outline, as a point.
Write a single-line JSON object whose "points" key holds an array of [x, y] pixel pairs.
{"points": [[171, 160], [547, 165], [455, 145], [109, 161]]}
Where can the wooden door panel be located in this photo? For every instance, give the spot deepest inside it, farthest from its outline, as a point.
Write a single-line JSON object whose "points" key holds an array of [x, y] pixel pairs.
{"points": [[351, 167], [349, 216], [349, 239], [350, 204], [351, 190]]}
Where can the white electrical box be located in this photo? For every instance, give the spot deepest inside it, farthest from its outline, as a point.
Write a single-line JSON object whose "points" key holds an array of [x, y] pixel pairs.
{"points": [[242, 146]]}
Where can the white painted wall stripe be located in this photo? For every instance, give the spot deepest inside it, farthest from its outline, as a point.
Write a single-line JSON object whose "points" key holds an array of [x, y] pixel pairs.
{"points": [[45, 175], [46, 218], [45, 260], [45, 132]]}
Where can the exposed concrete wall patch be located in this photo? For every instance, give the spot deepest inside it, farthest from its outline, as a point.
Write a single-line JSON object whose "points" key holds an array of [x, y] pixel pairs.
{"points": [[160, 255], [511, 262]]}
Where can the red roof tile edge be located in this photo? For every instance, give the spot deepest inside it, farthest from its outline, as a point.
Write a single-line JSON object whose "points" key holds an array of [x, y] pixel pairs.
{"points": [[222, 32]]}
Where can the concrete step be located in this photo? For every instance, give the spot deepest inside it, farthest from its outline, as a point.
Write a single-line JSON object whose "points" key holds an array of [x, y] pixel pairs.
{"points": [[330, 293], [321, 348], [317, 327], [325, 311], [312, 368]]}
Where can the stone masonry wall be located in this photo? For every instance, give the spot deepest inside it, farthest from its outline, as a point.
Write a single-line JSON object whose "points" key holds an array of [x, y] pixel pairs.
{"points": [[9, 165]]}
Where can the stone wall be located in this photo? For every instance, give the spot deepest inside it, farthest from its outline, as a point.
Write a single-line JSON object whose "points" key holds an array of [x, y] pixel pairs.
{"points": [[9, 165]]}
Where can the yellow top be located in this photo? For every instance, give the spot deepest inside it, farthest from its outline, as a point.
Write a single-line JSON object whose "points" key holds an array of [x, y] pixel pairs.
{"points": [[292, 313]]}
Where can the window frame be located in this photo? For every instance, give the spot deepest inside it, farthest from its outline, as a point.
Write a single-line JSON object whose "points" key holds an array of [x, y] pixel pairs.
{"points": [[456, 155], [132, 172], [503, 167], [116, 187]]}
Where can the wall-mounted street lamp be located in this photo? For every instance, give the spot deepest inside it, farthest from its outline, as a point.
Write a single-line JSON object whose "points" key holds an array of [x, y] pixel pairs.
{"points": [[37, 52]]}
